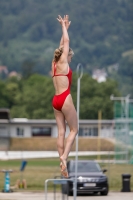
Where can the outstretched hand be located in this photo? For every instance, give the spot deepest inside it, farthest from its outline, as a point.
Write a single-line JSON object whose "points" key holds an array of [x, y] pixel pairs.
{"points": [[67, 22], [60, 20], [64, 21]]}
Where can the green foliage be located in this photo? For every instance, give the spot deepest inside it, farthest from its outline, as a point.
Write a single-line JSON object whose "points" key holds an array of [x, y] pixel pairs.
{"points": [[35, 99], [95, 96], [32, 97], [100, 32], [124, 74], [126, 67], [4, 97]]}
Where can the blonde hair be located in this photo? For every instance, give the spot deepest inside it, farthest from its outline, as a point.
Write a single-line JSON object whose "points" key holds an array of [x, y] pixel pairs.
{"points": [[58, 52]]}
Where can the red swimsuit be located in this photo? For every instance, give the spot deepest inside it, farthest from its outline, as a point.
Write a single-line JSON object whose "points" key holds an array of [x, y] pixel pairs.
{"points": [[58, 100]]}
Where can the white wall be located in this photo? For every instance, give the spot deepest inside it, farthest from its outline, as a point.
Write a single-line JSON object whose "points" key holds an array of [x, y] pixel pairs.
{"points": [[4, 131], [107, 133], [55, 131], [26, 130]]}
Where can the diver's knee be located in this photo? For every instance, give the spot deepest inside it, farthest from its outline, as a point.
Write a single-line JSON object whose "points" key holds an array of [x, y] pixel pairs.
{"points": [[75, 130]]}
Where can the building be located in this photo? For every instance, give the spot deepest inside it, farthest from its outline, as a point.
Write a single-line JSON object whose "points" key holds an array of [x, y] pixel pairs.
{"points": [[100, 75], [21, 127]]}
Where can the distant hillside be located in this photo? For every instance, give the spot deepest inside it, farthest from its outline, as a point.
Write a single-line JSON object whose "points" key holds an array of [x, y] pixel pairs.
{"points": [[123, 73], [101, 31]]}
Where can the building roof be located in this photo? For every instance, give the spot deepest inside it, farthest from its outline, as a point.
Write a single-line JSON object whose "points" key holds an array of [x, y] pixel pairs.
{"points": [[52, 122]]}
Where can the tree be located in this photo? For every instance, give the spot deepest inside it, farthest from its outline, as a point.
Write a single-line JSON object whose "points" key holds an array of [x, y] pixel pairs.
{"points": [[35, 99], [95, 96], [4, 97]]}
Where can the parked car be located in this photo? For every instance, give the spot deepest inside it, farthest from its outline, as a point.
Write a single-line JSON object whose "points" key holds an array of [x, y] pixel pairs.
{"points": [[90, 178]]}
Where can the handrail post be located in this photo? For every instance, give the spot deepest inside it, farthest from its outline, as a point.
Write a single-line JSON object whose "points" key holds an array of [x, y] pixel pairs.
{"points": [[79, 67], [52, 180]]}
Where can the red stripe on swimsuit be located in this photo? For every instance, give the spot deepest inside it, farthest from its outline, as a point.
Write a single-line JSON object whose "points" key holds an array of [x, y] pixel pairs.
{"points": [[58, 100]]}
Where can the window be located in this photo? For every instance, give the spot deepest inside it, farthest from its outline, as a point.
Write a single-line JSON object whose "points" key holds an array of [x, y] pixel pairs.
{"points": [[95, 131], [20, 132], [88, 131], [41, 131], [86, 167]]}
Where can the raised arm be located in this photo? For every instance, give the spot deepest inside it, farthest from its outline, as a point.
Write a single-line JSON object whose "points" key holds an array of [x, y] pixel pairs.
{"points": [[67, 24], [65, 37]]}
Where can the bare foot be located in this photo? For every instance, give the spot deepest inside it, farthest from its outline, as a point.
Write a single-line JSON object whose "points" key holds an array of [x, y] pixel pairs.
{"points": [[63, 166], [63, 161]]}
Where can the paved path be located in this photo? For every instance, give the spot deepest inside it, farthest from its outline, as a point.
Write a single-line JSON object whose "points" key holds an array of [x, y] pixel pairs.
{"points": [[41, 196]]}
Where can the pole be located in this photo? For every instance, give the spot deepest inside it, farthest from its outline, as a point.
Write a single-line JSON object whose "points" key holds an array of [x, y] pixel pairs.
{"points": [[99, 129], [131, 136], [78, 103], [127, 125], [55, 181], [46, 189]]}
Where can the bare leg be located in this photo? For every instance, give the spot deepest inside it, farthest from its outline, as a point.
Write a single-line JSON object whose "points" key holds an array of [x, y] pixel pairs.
{"points": [[60, 119], [70, 114]]}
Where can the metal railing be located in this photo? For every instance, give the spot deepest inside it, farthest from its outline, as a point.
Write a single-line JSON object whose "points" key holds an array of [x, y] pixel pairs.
{"points": [[55, 182]]}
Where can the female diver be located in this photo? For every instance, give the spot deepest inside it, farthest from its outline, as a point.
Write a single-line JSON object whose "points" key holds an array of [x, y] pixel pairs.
{"points": [[62, 102]]}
